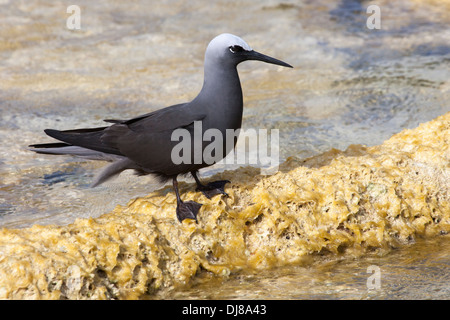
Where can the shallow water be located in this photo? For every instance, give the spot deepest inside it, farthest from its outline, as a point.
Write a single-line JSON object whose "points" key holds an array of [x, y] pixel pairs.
{"points": [[350, 84], [418, 271]]}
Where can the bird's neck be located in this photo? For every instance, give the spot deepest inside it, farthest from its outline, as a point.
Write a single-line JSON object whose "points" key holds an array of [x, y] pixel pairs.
{"points": [[222, 92], [222, 84]]}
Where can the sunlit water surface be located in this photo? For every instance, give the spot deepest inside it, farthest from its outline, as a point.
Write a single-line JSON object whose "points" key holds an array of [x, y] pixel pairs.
{"points": [[350, 85], [419, 271]]}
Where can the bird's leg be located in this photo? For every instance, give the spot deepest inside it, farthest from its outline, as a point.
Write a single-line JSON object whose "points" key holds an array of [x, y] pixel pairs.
{"points": [[185, 209], [212, 188]]}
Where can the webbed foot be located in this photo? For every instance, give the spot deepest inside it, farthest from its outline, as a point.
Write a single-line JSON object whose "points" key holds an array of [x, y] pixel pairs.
{"points": [[187, 210], [213, 188]]}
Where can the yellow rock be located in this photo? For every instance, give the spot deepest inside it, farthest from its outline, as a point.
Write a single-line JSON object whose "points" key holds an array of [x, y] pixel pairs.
{"points": [[346, 202]]}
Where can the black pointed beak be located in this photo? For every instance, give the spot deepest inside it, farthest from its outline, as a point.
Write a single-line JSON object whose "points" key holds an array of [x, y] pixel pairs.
{"points": [[254, 55]]}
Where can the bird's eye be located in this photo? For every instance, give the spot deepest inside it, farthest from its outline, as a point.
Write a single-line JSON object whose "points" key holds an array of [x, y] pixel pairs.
{"points": [[235, 49]]}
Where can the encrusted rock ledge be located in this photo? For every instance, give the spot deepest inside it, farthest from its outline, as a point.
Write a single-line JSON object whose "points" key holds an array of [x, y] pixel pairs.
{"points": [[339, 202]]}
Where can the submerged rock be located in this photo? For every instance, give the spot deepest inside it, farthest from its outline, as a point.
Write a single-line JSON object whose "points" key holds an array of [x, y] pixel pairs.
{"points": [[346, 202]]}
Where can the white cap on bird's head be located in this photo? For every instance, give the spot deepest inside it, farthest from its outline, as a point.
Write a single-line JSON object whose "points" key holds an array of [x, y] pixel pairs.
{"points": [[227, 48]]}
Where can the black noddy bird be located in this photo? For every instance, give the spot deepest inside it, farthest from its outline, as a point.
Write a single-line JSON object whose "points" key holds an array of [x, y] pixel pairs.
{"points": [[145, 143]]}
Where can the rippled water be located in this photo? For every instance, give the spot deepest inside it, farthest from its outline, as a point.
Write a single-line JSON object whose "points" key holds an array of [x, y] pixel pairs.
{"points": [[350, 84], [419, 271]]}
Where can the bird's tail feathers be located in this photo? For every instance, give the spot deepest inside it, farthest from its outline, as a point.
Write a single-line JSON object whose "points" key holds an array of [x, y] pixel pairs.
{"points": [[68, 149]]}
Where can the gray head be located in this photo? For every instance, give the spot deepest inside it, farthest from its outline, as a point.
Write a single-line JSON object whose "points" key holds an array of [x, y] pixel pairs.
{"points": [[229, 49]]}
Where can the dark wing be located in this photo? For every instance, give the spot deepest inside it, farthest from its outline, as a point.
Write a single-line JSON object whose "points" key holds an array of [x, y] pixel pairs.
{"points": [[147, 139], [86, 138], [154, 114]]}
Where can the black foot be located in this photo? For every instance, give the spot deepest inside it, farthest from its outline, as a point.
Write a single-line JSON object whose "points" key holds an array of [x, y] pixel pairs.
{"points": [[213, 188], [188, 210]]}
